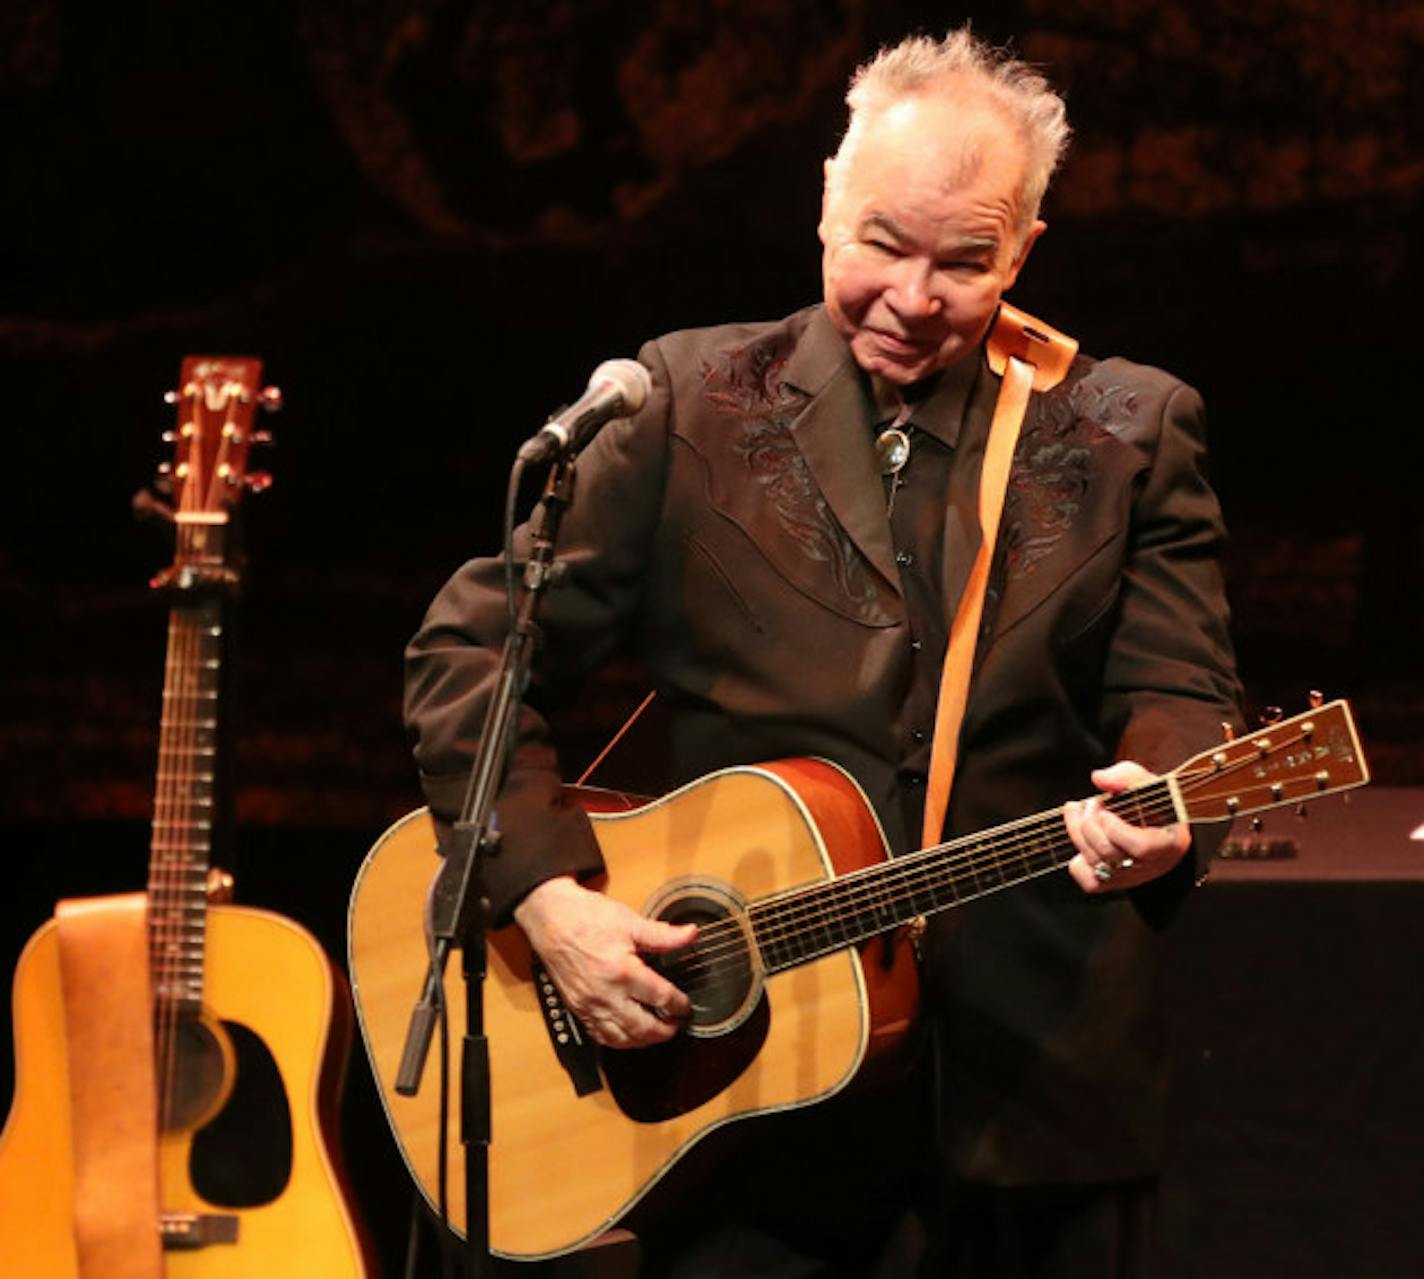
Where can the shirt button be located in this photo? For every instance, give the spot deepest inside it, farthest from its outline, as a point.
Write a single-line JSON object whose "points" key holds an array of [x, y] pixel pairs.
{"points": [[913, 781], [915, 646], [918, 735], [904, 558]]}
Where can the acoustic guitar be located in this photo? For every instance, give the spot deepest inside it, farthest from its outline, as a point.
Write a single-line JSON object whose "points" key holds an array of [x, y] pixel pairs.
{"points": [[785, 869], [251, 1020]]}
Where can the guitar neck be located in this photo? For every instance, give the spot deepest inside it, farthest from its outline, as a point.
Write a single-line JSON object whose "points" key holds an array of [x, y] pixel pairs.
{"points": [[185, 800], [1289, 762], [796, 927]]}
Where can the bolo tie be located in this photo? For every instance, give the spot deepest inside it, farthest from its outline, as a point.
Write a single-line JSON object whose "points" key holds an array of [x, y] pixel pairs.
{"points": [[892, 448]]}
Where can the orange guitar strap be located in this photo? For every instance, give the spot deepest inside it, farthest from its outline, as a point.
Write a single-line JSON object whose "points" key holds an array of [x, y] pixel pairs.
{"points": [[1029, 356], [113, 1099]]}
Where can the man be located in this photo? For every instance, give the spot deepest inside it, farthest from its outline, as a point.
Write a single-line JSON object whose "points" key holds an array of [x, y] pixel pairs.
{"points": [[791, 590]]}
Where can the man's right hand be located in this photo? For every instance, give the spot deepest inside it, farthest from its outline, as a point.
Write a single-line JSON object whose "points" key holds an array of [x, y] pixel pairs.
{"points": [[590, 944]]}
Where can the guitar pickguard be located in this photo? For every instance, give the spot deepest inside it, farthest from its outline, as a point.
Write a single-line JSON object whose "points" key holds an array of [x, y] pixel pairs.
{"points": [[655, 1084], [243, 1157]]}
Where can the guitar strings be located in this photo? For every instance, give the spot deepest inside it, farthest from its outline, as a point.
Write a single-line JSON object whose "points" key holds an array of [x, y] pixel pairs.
{"points": [[929, 869], [786, 920], [174, 827], [972, 865], [790, 920], [926, 870], [899, 881], [809, 910], [182, 819], [170, 788], [981, 867], [170, 817], [157, 877]]}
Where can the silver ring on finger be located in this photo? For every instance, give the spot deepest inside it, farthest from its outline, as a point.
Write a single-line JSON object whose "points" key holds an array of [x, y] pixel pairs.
{"points": [[1127, 863], [1103, 871]]}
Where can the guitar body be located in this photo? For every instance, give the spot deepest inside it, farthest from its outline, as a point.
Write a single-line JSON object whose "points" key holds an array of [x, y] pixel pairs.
{"points": [[565, 1167], [800, 973], [265, 974]]}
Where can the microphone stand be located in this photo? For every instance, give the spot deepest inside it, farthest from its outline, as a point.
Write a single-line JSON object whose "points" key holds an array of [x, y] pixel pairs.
{"points": [[457, 911]]}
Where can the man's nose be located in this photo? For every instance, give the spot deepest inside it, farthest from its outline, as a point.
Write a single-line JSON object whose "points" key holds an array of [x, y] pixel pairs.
{"points": [[912, 294]]}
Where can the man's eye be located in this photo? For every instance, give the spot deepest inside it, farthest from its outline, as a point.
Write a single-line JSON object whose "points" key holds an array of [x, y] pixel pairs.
{"points": [[964, 266], [885, 247]]}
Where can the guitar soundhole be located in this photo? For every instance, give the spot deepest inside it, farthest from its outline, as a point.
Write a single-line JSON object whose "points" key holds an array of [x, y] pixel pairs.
{"points": [[730, 1014], [717, 972], [194, 1073]]}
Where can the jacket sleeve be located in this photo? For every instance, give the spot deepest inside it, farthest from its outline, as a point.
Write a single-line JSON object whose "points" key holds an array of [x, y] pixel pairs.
{"points": [[1170, 680], [452, 663]]}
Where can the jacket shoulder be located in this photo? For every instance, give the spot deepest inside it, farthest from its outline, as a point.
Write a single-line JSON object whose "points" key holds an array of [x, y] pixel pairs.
{"points": [[1120, 397], [692, 346]]}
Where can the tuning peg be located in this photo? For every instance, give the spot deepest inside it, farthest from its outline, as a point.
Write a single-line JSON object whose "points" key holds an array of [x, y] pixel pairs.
{"points": [[219, 886], [148, 507], [270, 398], [1270, 715], [1256, 825], [1228, 733], [262, 437], [1316, 698], [257, 481], [171, 397]]}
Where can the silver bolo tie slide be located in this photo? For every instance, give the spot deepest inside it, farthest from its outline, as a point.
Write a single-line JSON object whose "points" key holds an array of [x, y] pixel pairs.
{"points": [[892, 447]]}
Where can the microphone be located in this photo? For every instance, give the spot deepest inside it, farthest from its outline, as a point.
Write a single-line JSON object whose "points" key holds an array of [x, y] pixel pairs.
{"points": [[617, 388]]}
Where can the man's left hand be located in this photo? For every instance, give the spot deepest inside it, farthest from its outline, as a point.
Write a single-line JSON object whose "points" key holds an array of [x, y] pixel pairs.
{"points": [[1113, 854]]}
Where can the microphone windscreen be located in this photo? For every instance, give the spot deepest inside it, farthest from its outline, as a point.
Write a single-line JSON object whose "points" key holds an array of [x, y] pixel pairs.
{"points": [[633, 381]]}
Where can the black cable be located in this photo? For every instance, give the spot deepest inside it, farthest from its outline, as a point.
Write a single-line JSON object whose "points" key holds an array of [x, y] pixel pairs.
{"points": [[511, 499]]}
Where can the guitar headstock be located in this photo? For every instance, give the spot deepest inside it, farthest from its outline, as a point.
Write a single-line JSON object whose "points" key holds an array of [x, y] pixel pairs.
{"points": [[1288, 762], [217, 399]]}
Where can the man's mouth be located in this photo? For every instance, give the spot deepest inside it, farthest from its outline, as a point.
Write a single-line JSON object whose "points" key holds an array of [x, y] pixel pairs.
{"points": [[898, 343]]}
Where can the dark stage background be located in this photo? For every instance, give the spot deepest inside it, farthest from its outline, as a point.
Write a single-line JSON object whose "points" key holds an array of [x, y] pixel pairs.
{"points": [[433, 218]]}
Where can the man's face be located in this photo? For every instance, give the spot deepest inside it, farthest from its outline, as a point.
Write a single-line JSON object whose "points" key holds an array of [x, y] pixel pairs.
{"points": [[921, 236]]}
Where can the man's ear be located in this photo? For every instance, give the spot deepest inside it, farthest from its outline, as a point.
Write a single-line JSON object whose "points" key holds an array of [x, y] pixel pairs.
{"points": [[1036, 230]]}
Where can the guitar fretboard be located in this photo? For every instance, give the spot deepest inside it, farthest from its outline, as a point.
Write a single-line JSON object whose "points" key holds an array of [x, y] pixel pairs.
{"points": [[804, 924], [185, 796]]}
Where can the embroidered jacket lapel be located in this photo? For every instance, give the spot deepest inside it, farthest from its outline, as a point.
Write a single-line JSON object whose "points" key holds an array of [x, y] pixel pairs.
{"points": [[833, 434]]}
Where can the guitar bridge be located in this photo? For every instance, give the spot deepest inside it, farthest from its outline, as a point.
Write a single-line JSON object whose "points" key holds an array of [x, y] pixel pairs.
{"points": [[577, 1053], [184, 1231]]}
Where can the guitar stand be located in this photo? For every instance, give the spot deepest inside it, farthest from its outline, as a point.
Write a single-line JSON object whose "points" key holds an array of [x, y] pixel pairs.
{"points": [[458, 913]]}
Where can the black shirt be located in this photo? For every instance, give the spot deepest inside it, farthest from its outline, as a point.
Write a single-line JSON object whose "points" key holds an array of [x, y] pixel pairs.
{"points": [[938, 418]]}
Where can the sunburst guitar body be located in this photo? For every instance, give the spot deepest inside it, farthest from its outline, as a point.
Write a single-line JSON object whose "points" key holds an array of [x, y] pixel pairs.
{"points": [[793, 985], [761, 1046]]}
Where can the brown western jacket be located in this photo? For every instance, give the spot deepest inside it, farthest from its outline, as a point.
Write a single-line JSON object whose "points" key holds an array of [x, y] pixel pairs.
{"points": [[734, 533]]}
